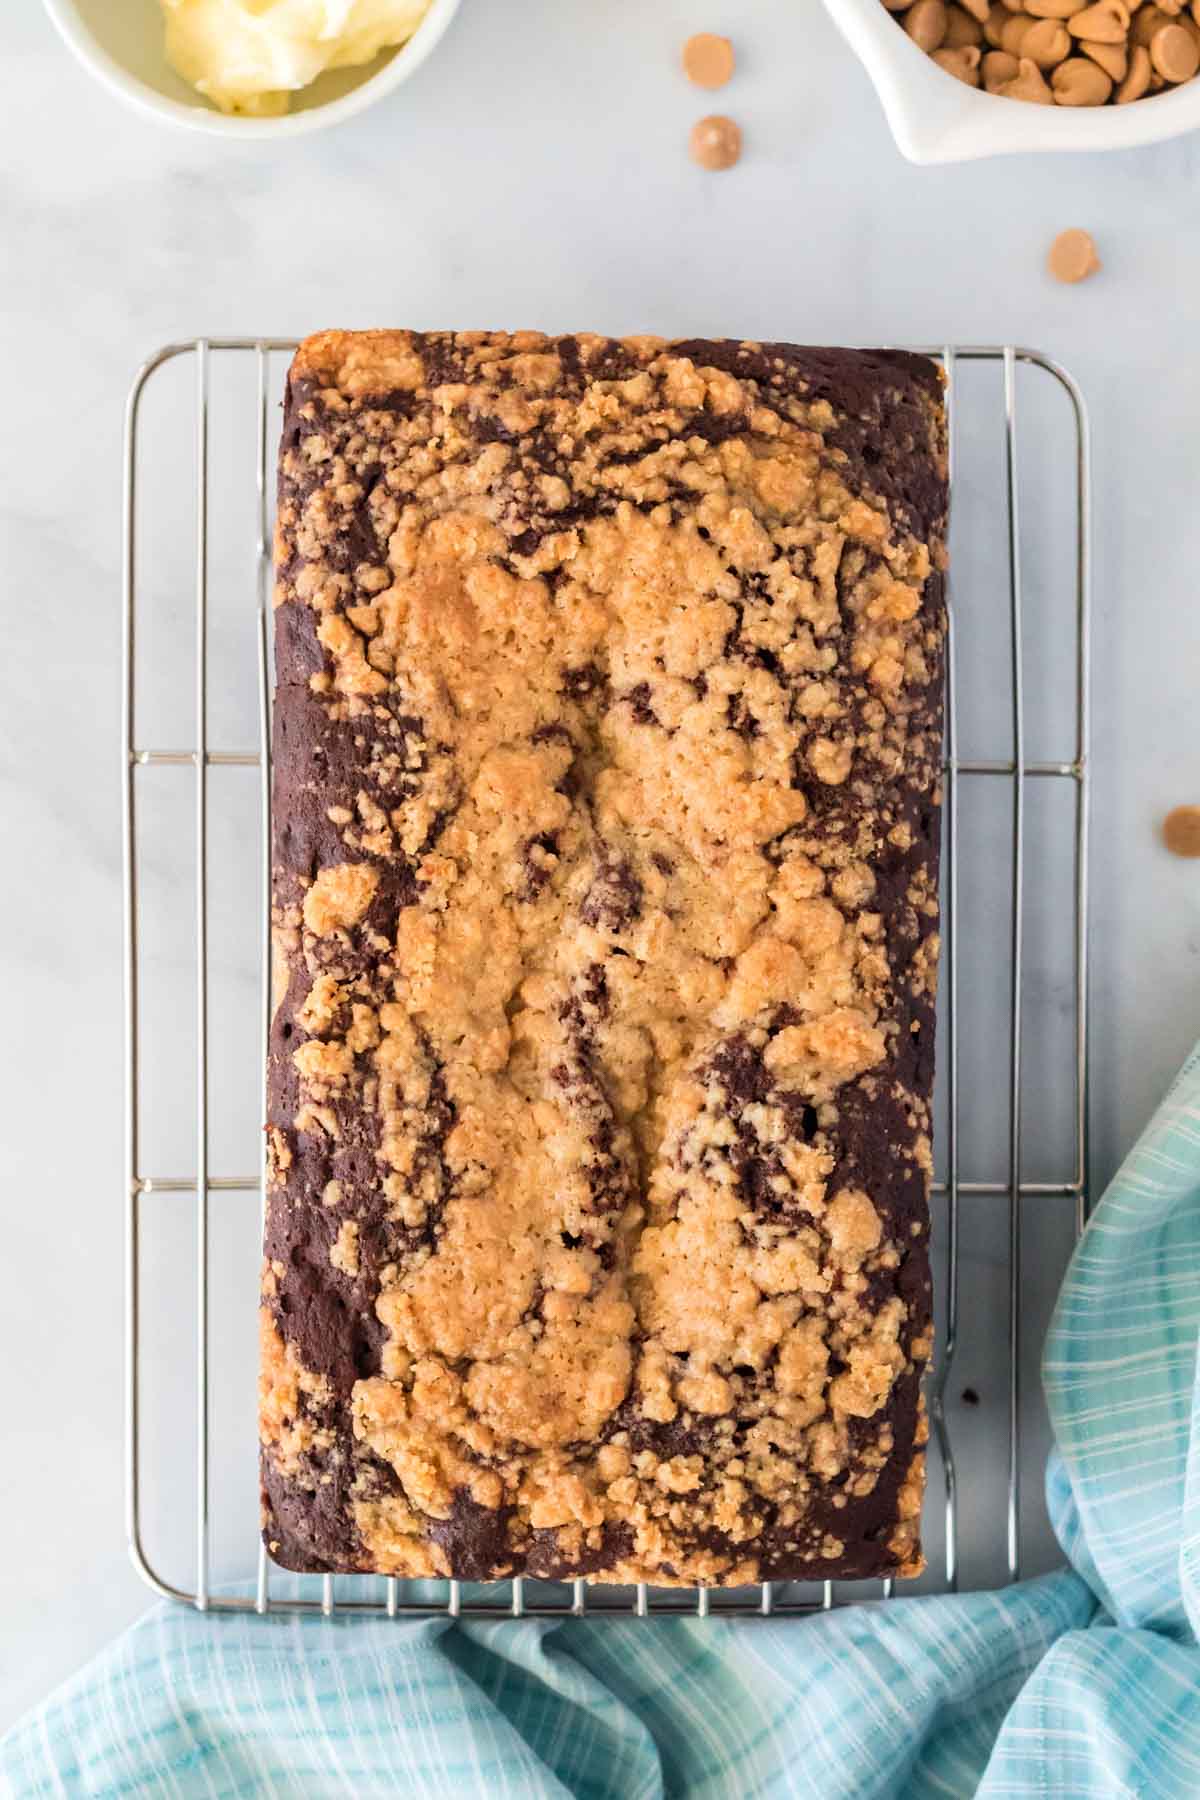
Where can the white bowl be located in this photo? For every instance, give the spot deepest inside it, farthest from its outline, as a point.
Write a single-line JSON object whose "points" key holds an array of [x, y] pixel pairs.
{"points": [[936, 118], [120, 42]]}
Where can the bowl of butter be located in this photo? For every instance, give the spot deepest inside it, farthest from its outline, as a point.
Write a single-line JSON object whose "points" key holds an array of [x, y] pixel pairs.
{"points": [[251, 68]]}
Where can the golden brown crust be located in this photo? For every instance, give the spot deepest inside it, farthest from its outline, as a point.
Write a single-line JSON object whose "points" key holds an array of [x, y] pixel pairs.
{"points": [[607, 747]]}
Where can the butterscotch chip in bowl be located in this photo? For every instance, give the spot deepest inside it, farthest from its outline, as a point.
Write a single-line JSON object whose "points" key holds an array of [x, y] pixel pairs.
{"points": [[926, 24], [993, 26], [708, 59], [1137, 77], [962, 63], [1072, 256], [716, 142], [1175, 53], [1181, 831], [1027, 84], [1047, 43], [1105, 23], [1112, 58], [1080, 82], [1014, 31], [998, 69], [1146, 21], [1054, 9], [962, 29]]}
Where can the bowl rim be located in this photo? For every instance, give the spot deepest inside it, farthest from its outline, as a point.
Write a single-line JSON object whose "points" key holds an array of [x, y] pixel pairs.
{"points": [[65, 17], [936, 118]]}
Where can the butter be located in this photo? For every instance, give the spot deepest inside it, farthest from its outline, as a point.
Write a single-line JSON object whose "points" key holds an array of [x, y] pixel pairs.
{"points": [[247, 56]]}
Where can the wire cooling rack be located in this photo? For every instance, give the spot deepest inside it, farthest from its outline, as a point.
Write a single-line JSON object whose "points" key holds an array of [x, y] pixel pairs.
{"points": [[1012, 1033]]}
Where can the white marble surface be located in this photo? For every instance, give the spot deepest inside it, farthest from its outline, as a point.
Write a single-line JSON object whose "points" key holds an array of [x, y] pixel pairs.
{"points": [[533, 173]]}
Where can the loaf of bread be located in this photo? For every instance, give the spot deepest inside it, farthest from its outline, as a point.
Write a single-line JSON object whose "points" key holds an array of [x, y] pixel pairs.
{"points": [[607, 748]]}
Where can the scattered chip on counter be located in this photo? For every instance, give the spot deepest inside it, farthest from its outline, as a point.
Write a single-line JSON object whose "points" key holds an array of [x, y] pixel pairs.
{"points": [[708, 59], [1181, 831], [1072, 256], [716, 142]]}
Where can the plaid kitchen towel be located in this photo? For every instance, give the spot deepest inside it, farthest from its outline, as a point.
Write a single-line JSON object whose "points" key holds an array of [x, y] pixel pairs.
{"points": [[1083, 1683]]}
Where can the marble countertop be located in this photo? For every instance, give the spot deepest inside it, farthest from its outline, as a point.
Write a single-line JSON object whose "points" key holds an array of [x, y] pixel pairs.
{"points": [[533, 173]]}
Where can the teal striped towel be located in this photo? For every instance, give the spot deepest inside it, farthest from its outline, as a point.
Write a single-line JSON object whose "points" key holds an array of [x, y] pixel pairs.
{"points": [[1086, 1682]]}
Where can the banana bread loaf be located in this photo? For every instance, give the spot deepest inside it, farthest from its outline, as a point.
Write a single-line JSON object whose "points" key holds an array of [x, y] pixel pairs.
{"points": [[607, 747]]}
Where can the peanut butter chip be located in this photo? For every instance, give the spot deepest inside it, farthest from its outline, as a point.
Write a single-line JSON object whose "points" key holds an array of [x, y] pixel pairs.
{"points": [[1181, 831], [1054, 9], [1014, 31], [1046, 43], [993, 27], [961, 29], [1078, 82], [1175, 53], [962, 63], [926, 24], [1112, 58], [1027, 84], [1146, 23], [1137, 80], [1105, 23], [998, 68], [708, 59], [1072, 256], [716, 142]]}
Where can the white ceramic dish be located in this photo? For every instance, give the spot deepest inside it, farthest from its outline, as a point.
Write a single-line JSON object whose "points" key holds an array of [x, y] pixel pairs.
{"points": [[935, 118], [120, 42]]}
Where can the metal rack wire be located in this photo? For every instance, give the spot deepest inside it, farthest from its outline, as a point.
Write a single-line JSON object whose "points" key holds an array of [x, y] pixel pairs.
{"points": [[256, 359]]}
